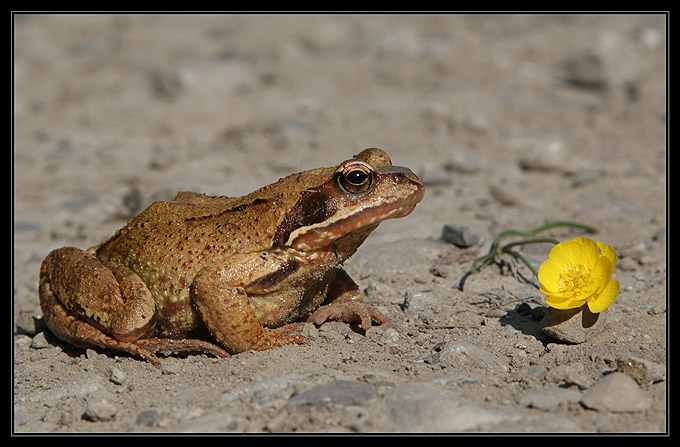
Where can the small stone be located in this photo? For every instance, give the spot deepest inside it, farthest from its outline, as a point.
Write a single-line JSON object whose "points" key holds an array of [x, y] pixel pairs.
{"points": [[458, 354], [496, 313], [339, 392], [571, 325], [544, 156], [166, 84], [149, 417], [390, 336], [618, 393], [421, 407], [659, 235], [220, 422], [30, 325], [116, 375], [91, 354], [643, 371], [506, 195], [586, 71], [171, 368], [419, 302], [523, 309], [462, 237], [100, 409], [65, 419], [20, 418], [549, 399], [467, 162], [40, 342], [310, 331]]}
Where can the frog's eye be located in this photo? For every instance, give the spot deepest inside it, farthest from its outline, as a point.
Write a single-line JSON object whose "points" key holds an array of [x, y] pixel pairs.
{"points": [[355, 178]]}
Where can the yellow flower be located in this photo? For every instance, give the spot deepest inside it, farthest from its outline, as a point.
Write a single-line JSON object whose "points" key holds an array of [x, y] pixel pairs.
{"points": [[579, 271]]}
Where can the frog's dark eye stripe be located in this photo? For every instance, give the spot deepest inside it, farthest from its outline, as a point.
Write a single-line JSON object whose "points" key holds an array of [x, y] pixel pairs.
{"points": [[312, 207]]}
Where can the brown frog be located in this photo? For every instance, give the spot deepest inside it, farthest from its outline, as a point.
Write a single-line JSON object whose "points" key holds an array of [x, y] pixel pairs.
{"points": [[245, 268]]}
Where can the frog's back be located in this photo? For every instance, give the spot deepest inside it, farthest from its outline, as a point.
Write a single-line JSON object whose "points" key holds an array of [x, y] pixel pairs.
{"points": [[185, 205]]}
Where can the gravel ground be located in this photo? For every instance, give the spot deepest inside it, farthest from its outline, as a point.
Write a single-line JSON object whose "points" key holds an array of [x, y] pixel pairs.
{"points": [[512, 121]]}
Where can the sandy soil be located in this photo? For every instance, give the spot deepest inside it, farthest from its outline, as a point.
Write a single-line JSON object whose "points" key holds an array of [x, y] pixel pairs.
{"points": [[512, 121]]}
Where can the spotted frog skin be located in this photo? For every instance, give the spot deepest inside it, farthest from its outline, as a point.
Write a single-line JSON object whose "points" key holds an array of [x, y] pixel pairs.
{"points": [[242, 272]]}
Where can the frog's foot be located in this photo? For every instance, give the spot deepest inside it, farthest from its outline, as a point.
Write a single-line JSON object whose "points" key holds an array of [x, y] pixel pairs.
{"points": [[169, 345], [272, 338], [349, 312]]}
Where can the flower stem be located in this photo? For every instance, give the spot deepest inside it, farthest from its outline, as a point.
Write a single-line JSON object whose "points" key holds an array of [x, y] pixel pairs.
{"points": [[497, 250]]}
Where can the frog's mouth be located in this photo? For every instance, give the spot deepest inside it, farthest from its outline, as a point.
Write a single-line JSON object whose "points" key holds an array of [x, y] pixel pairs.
{"points": [[363, 220]]}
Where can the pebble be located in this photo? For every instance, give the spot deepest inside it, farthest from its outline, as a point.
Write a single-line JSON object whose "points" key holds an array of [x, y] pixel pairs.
{"points": [[467, 161], [421, 407], [99, 409], [171, 368], [310, 331], [116, 375], [659, 235], [523, 309], [420, 302], [586, 71], [496, 313], [268, 389], [30, 325], [219, 422], [166, 84], [338, 392], [40, 342], [456, 354], [149, 418], [549, 399], [544, 156], [618, 393], [390, 337], [506, 195], [572, 325], [460, 236], [643, 371]]}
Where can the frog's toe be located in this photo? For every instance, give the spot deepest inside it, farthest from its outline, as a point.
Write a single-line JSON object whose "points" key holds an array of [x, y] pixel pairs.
{"points": [[349, 312], [168, 345], [272, 338], [286, 329]]}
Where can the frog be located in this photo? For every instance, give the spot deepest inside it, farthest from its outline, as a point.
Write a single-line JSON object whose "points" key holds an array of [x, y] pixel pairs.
{"points": [[225, 275]]}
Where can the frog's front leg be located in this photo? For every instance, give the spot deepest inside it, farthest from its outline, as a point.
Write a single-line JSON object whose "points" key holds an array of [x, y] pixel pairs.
{"points": [[221, 292], [345, 302], [90, 303]]}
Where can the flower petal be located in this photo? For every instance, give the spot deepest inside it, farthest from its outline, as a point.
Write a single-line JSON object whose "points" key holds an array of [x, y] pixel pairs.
{"points": [[609, 253], [578, 251], [549, 275], [605, 299], [602, 274], [563, 303], [565, 253]]}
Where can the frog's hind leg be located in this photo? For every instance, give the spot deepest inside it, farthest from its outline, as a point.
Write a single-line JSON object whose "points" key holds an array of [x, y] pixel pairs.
{"points": [[79, 332], [87, 303]]}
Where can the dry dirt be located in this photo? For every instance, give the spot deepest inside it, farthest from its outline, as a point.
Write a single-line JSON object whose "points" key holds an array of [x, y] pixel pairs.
{"points": [[511, 120]]}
